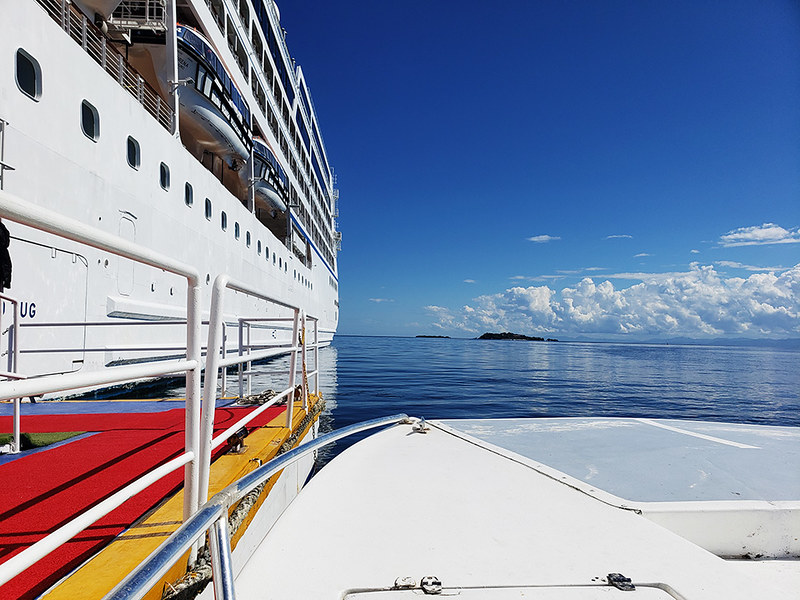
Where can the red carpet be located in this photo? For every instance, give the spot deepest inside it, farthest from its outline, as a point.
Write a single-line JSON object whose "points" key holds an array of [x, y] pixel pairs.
{"points": [[42, 491]]}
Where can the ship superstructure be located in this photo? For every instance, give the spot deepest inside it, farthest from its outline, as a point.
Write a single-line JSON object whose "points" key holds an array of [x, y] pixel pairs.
{"points": [[184, 127]]}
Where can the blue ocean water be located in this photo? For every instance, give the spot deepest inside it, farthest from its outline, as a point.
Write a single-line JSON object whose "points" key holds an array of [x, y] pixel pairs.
{"points": [[366, 377]]}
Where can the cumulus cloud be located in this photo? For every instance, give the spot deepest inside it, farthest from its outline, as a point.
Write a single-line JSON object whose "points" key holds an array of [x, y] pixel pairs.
{"points": [[379, 300], [694, 251], [619, 236], [757, 235], [543, 239], [695, 303]]}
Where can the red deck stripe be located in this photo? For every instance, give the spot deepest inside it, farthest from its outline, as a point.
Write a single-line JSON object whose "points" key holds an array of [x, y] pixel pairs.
{"points": [[42, 491]]}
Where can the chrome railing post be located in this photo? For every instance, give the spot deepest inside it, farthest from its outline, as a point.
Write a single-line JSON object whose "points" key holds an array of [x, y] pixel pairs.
{"points": [[224, 375], [292, 368], [241, 364], [316, 357], [216, 316], [14, 368], [192, 498], [15, 341], [17, 416], [249, 364], [304, 365], [221, 563], [2, 306]]}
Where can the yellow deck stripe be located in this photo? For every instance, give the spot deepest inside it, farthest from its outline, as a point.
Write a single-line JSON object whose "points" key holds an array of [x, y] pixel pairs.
{"points": [[98, 575]]}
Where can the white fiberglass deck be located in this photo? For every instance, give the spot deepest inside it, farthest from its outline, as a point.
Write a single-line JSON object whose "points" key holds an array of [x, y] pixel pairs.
{"points": [[407, 504], [648, 460]]}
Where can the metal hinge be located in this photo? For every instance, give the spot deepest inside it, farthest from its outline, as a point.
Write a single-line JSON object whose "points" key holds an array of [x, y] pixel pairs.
{"points": [[619, 581]]}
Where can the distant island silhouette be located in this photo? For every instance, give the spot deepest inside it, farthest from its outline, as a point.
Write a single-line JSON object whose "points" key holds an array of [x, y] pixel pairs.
{"points": [[513, 336]]}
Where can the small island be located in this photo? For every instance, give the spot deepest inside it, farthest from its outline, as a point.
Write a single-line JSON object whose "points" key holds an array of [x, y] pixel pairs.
{"points": [[513, 336], [443, 337]]}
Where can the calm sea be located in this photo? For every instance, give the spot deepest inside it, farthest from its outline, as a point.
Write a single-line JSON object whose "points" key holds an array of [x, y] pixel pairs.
{"points": [[366, 377]]}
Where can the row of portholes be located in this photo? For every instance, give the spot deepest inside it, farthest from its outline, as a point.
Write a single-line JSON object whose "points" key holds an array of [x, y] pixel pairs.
{"points": [[237, 233], [29, 81], [303, 281]]}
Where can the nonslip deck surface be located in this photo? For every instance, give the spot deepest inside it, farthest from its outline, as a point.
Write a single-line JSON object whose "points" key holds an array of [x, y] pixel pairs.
{"points": [[44, 489]]}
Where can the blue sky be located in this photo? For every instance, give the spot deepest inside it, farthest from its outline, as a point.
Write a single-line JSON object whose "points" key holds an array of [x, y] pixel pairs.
{"points": [[599, 169]]}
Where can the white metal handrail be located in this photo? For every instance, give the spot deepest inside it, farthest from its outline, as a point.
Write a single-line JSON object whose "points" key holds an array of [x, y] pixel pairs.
{"points": [[196, 464], [20, 211], [254, 350], [13, 366], [97, 45], [19, 562], [213, 517], [215, 361]]}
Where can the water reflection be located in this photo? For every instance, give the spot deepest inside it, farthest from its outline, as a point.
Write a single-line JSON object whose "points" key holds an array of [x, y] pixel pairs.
{"points": [[367, 377]]}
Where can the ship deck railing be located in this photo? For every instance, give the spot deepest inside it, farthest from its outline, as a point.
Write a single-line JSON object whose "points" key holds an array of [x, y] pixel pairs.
{"points": [[103, 51], [212, 517], [199, 439]]}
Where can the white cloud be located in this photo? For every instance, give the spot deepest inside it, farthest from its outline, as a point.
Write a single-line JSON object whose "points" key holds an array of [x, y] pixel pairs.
{"points": [[757, 235], [695, 303], [694, 251], [619, 236], [469, 281], [737, 265], [641, 255], [536, 277], [543, 239], [379, 300]]}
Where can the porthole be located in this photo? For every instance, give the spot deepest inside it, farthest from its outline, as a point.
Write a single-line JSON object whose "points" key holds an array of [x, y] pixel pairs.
{"points": [[188, 194], [208, 209], [273, 258], [90, 121], [236, 230], [258, 247], [134, 153], [29, 75], [279, 262], [247, 239], [224, 221], [164, 176]]}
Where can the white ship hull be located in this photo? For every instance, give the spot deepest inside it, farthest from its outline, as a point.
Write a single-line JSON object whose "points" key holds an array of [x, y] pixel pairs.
{"points": [[69, 293]]}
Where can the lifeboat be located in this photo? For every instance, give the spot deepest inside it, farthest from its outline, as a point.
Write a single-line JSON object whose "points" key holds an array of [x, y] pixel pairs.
{"points": [[213, 113], [269, 179]]}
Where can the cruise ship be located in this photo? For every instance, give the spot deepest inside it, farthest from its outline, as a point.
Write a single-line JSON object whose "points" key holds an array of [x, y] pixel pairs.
{"points": [[167, 210], [184, 127]]}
